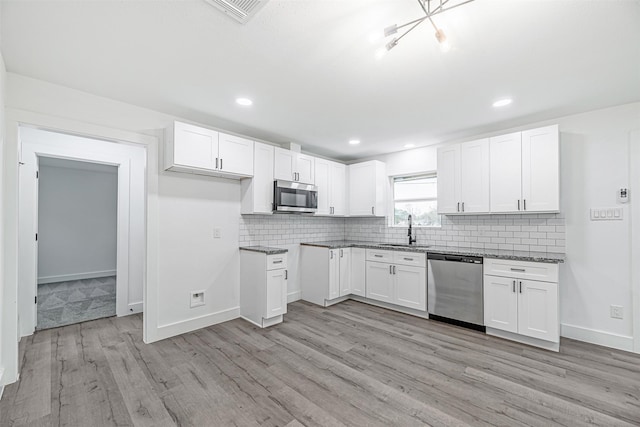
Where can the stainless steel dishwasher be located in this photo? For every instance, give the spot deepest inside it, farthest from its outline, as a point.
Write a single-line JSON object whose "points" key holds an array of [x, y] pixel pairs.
{"points": [[454, 290]]}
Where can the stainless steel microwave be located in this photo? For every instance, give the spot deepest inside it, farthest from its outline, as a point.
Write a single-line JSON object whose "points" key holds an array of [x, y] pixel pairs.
{"points": [[294, 197]]}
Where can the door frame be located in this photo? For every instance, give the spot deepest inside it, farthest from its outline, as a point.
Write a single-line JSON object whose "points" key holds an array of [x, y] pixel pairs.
{"points": [[634, 208], [31, 152], [16, 118]]}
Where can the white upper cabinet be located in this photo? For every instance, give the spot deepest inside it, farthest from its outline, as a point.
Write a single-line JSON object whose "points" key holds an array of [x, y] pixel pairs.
{"points": [[235, 154], [525, 171], [292, 166], [257, 192], [198, 150], [367, 189], [463, 178], [541, 169], [330, 178]]}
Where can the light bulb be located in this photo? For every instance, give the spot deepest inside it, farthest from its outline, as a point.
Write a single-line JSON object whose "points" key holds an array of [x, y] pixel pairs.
{"points": [[442, 40], [381, 52]]}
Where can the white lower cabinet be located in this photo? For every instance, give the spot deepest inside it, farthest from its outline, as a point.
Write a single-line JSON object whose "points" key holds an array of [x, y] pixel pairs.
{"points": [[358, 271], [326, 274], [263, 287], [398, 278], [518, 305]]}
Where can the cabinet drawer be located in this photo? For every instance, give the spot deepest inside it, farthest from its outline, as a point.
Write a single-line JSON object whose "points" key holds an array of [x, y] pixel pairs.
{"points": [[379, 255], [416, 259], [545, 272], [275, 262]]}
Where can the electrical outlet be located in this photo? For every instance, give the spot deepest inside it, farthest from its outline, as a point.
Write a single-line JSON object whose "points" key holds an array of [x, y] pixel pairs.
{"points": [[617, 312], [197, 299], [216, 233]]}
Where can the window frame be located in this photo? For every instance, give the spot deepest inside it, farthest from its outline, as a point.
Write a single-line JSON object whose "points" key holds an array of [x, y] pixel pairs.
{"points": [[417, 175]]}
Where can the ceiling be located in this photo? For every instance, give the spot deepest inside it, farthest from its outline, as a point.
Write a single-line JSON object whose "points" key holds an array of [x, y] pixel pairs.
{"points": [[310, 67]]}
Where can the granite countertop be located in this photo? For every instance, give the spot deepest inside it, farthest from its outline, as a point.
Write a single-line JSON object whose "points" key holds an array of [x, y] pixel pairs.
{"points": [[549, 257], [264, 249]]}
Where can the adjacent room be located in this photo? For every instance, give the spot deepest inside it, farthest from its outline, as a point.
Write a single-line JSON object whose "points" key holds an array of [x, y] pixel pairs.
{"points": [[320, 213]]}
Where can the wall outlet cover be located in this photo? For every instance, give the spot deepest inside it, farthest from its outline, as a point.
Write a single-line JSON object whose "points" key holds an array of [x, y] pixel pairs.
{"points": [[617, 312], [197, 299]]}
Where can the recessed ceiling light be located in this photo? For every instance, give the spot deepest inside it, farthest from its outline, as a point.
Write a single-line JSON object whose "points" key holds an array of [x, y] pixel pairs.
{"points": [[244, 101], [502, 102], [354, 142], [409, 145]]}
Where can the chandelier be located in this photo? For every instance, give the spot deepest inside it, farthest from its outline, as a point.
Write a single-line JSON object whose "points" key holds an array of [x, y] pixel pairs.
{"points": [[430, 9]]}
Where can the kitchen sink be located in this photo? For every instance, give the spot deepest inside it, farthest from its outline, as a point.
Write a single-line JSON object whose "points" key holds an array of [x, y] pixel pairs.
{"points": [[399, 245]]}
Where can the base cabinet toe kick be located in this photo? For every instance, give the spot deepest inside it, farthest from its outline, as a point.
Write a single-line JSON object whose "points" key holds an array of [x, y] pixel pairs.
{"points": [[516, 300]]}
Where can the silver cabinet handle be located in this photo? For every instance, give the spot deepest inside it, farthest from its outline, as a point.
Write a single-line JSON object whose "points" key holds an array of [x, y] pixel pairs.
{"points": [[221, 163], [514, 286], [462, 206], [278, 261], [373, 210], [331, 253], [524, 202], [520, 287], [408, 259], [394, 269], [341, 254], [518, 204], [390, 269], [377, 255], [286, 274], [216, 163], [521, 270], [458, 208]]}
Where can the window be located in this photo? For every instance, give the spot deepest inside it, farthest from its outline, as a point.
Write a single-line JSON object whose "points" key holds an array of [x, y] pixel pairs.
{"points": [[416, 196]]}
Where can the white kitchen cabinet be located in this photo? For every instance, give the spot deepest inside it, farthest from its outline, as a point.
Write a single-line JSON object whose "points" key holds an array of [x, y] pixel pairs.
{"points": [[257, 192], [518, 305], [292, 166], [358, 271], [263, 287], [193, 149], [325, 274], [525, 171], [330, 178], [397, 277], [463, 178], [368, 184]]}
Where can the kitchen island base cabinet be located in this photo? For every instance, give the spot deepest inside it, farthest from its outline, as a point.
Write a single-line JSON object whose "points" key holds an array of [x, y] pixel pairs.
{"points": [[263, 287]]}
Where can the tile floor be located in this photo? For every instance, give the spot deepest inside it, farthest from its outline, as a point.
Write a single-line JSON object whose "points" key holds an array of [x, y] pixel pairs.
{"points": [[65, 303]]}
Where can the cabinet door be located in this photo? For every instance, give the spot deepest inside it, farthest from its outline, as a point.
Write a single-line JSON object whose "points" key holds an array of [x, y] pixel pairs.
{"points": [[276, 298], [538, 309], [541, 169], [358, 271], [338, 187], [474, 176], [334, 273], [345, 271], [506, 173], [236, 155], [449, 179], [283, 164], [410, 288], [323, 183], [305, 167], [379, 281], [362, 193], [501, 303], [261, 194], [195, 146]]}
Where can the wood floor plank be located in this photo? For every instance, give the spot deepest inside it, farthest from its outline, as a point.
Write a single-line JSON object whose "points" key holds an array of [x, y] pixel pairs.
{"points": [[350, 364]]}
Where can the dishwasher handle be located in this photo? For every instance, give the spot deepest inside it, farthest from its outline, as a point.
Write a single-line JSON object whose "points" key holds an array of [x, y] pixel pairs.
{"points": [[455, 258]]}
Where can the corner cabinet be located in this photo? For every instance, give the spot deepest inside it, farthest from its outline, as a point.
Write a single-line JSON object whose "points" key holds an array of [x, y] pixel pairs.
{"points": [[330, 178], [257, 192], [263, 287], [198, 150], [293, 166], [525, 171], [521, 298], [368, 184], [463, 178]]}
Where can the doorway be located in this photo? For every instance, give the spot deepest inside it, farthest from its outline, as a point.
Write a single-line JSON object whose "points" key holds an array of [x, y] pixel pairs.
{"points": [[76, 245]]}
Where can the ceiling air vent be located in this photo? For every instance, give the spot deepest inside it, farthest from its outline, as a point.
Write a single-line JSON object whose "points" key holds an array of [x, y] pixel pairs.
{"points": [[240, 10]]}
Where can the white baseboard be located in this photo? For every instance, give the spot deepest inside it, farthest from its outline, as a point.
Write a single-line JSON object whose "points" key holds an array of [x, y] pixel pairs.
{"points": [[134, 307], [594, 336], [547, 345], [294, 296], [76, 276], [184, 326], [1, 382]]}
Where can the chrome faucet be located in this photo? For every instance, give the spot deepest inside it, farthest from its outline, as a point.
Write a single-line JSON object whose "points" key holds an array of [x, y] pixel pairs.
{"points": [[411, 239]]}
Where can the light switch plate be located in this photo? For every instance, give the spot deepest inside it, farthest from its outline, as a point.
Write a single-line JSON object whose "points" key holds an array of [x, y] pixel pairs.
{"points": [[606, 214], [217, 233]]}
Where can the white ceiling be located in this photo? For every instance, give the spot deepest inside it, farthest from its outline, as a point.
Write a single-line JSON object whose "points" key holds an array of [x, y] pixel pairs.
{"points": [[310, 67]]}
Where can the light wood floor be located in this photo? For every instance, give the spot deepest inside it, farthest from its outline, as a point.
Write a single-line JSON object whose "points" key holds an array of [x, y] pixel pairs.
{"points": [[350, 364]]}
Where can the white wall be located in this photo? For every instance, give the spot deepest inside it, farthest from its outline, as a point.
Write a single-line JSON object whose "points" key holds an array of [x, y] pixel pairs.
{"points": [[3, 333], [595, 152], [77, 218], [190, 206]]}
